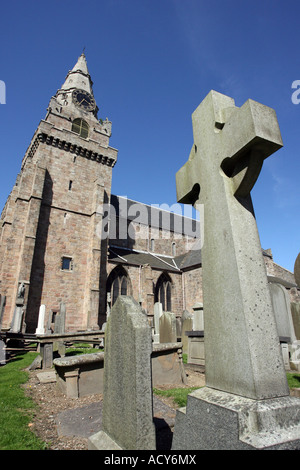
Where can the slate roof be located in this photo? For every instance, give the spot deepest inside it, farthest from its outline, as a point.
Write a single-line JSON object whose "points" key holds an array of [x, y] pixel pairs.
{"points": [[139, 258]]}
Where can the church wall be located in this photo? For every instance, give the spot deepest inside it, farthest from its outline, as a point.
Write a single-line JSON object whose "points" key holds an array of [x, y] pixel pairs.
{"points": [[19, 222], [193, 293], [276, 270], [143, 280], [137, 236], [68, 232]]}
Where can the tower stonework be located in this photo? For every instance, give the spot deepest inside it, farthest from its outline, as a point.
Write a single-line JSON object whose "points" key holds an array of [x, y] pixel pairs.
{"points": [[50, 225]]}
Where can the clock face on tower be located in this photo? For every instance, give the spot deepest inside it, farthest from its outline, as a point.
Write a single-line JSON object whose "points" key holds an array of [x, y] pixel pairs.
{"points": [[84, 100]]}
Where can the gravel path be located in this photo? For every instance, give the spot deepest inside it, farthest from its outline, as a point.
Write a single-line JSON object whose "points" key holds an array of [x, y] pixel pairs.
{"points": [[65, 423]]}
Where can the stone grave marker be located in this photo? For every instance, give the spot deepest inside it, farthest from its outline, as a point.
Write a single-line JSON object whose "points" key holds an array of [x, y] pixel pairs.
{"points": [[158, 311], [127, 418], [41, 321], [17, 320], [187, 325], [198, 322], [167, 328], [59, 327], [246, 402], [295, 309], [290, 346]]}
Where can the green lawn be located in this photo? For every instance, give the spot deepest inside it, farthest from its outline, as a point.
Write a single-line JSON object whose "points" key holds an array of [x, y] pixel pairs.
{"points": [[179, 395], [293, 379], [16, 409]]}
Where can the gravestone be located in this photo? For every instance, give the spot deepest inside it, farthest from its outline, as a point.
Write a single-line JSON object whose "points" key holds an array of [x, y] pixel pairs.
{"points": [[49, 321], [295, 309], [127, 418], [60, 319], [59, 327], [290, 346], [17, 320], [167, 328], [246, 402], [198, 323], [187, 325], [40, 328], [158, 311]]}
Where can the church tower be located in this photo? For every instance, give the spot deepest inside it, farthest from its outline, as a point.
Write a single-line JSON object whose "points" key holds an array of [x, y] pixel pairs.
{"points": [[50, 225]]}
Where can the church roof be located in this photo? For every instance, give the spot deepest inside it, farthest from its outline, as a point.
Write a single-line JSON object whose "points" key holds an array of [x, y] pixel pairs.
{"points": [[140, 258]]}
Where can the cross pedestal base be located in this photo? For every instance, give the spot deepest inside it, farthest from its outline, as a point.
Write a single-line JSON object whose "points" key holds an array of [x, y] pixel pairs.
{"points": [[216, 420]]}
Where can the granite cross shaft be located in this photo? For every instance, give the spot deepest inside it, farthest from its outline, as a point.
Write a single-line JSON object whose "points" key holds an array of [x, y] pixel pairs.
{"points": [[242, 350]]}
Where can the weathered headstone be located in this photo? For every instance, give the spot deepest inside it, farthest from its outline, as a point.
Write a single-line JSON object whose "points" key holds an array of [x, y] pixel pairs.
{"points": [[167, 328], [17, 320], [290, 346], [187, 325], [41, 321], [295, 309], [198, 321], [283, 316], [246, 402], [127, 417], [49, 322], [59, 327], [60, 320], [158, 311]]}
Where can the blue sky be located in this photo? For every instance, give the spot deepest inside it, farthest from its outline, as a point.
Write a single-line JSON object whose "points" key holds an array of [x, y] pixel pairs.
{"points": [[152, 63]]}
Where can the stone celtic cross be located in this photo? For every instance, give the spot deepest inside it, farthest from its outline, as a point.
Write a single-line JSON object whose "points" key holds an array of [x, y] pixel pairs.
{"points": [[242, 350]]}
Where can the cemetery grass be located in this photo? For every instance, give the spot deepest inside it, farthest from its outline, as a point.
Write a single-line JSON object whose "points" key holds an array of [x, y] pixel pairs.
{"points": [[178, 395], [293, 379], [17, 409]]}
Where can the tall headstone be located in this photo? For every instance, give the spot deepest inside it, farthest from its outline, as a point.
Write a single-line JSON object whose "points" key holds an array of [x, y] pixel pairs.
{"points": [[59, 327], [167, 328], [17, 321], [187, 325], [41, 321], [127, 417], [158, 311], [290, 346], [295, 309], [246, 402], [198, 323], [60, 319]]}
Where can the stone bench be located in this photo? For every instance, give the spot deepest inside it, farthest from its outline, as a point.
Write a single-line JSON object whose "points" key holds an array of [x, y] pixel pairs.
{"points": [[81, 375]]}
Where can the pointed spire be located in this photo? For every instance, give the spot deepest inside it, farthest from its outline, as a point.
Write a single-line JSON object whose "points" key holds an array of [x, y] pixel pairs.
{"points": [[79, 76], [81, 65]]}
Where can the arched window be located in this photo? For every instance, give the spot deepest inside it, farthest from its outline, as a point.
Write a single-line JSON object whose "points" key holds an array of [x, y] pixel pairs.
{"points": [[80, 127], [118, 284], [163, 292]]}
